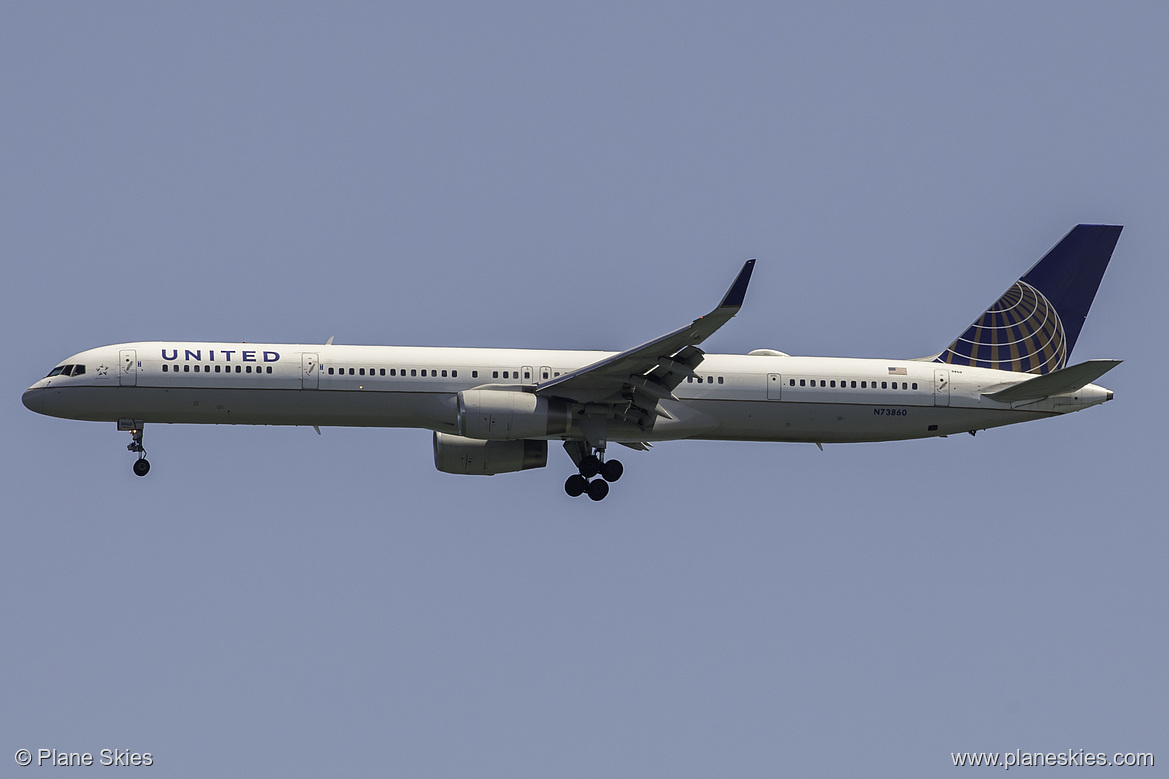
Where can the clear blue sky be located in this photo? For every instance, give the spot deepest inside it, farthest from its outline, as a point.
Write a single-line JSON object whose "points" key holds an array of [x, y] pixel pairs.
{"points": [[269, 601]]}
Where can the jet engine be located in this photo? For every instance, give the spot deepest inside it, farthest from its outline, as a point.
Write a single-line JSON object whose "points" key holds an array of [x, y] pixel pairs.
{"points": [[456, 454], [505, 415]]}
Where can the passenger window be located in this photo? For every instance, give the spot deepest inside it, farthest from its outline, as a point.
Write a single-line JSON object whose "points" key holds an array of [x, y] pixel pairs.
{"points": [[689, 379], [238, 369], [720, 379], [434, 373], [268, 369], [196, 369], [821, 382], [699, 379], [495, 374], [791, 382], [330, 371], [710, 380], [393, 371], [904, 385], [218, 368], [413, 371], [801, 382], [505, 374], [854, 385], [165, 367], [454, 374], [381, 371], [915, 385], [474, 374], [361, 371], [544, 374], [557, 373], [187, 369], [248, 368], [834, 383], [444, 374], [527, 374], [884, 385]]}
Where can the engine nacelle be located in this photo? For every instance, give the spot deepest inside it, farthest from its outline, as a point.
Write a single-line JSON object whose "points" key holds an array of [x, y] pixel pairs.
{"points": [[504, 415], [456, 454]]}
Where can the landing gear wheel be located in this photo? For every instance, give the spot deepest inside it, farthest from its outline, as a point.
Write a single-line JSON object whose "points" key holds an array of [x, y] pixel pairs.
{"points": [[141, 467], [598, 489], [576, 485], [611, 470], [590, 466]]}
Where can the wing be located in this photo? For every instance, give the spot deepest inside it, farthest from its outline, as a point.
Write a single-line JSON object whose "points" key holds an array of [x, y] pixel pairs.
{"points": [[648, 373]]}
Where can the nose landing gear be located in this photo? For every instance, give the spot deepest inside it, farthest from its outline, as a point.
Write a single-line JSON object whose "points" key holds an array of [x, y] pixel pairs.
{"points": [[134, 428]]}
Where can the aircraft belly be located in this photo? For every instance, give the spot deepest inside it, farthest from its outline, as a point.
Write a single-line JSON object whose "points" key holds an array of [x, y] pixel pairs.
{"points": [[430, 410], [844, 422]]}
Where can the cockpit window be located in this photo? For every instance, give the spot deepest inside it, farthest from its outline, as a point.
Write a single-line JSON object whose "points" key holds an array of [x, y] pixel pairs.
{"points": [[67, 370]]}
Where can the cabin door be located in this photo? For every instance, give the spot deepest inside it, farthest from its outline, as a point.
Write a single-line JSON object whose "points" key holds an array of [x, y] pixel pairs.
{"points": [[774, 386], [128, 368], [310, 374], [941, 387]]}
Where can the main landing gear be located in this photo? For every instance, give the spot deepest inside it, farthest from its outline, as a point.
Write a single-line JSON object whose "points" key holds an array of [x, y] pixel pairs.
{"points": [[591, 465], [134, 428]]}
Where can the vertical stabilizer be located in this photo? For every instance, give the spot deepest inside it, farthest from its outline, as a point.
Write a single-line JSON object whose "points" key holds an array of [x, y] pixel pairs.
{"points": [[1033, 327]]}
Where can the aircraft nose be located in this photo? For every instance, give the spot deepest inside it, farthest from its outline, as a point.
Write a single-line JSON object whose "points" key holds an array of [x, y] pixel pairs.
{"points": [[34, 399]]}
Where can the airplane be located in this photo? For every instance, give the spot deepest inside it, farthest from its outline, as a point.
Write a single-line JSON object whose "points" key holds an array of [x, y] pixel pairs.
{"points": [[494, 411]]}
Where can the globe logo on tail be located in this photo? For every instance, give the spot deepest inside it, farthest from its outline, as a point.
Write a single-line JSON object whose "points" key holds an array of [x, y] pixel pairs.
{"points": [[1021, 332]]}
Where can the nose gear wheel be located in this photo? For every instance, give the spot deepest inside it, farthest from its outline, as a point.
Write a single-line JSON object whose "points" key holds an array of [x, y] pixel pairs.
{"points": [[141, 465]]}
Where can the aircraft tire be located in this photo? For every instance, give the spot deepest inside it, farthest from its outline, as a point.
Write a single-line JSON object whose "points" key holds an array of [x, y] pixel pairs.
{"points": [[141, 467], [598, 489], [611, 470], [576, 485], [590, 466]]}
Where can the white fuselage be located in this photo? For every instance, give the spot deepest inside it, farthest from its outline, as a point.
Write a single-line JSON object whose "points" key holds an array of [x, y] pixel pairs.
{"points": [[734, 397]]}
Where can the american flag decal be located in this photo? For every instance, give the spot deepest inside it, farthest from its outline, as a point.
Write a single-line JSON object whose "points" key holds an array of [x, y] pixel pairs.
{"points": [[897, 372]]}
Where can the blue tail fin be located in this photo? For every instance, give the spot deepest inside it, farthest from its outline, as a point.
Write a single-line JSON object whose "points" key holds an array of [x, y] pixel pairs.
{"points": [[1034, 325]]}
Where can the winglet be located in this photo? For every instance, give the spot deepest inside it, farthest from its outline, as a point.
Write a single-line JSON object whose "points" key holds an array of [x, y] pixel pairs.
{"points": [[738, 290]]}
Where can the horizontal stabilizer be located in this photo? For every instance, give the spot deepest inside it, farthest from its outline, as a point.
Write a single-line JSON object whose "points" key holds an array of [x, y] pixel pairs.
{"points": [[1065, 380]]}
